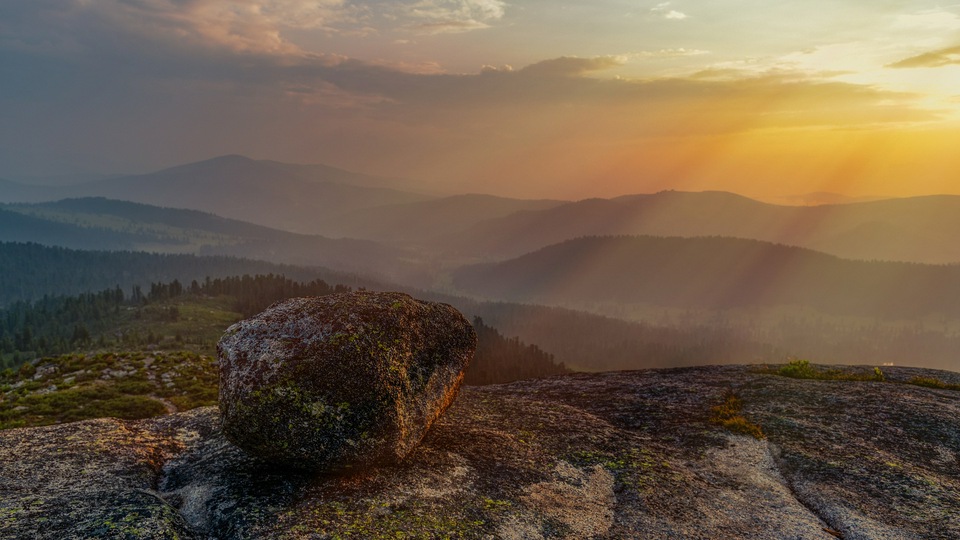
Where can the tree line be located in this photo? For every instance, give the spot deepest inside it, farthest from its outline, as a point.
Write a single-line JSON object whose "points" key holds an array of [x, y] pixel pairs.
{"points": [[59, 324], [30, 271]]}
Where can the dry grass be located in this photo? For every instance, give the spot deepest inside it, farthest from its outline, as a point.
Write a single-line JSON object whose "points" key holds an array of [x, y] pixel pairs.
{"points": [[729, 415]]}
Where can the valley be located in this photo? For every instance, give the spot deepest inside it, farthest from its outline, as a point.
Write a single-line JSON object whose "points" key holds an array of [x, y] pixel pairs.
{"points": [[659, 280]]}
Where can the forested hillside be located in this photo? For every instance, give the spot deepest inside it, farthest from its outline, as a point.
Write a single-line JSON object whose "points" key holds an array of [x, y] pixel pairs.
{"points": [[499, 359], [915, 229], [579, 340], [424, 222], [98, 223], [270, 193], [143, 317], [30, 271], [178, 316], [590, 342]]}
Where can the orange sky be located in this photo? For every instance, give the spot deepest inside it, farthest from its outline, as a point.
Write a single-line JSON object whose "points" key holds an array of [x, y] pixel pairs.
{"points": [[537, 99]]}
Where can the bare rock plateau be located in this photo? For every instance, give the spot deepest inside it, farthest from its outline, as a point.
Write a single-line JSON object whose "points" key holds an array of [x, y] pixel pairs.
{"points": [[605, 456]]}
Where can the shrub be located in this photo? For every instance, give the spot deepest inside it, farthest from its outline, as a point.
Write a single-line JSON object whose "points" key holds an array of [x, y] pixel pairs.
{"points": [[798, 369], [802, 369], [933, 382]]}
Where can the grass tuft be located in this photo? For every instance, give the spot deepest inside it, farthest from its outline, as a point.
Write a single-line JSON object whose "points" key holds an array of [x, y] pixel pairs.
{"points": [[729, 415]]}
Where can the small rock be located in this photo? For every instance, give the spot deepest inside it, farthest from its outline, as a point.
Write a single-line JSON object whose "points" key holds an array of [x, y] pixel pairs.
{"points": [[342, 380], [44, 371]]}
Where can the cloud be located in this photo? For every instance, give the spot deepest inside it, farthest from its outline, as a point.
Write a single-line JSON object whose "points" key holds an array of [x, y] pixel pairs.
{"points": [[96, 51], [949, 56], [569, 88], [454, 16], [668, 53], [252, 27], [663, 10], [96, 26], [567, 66], [165, 81]]}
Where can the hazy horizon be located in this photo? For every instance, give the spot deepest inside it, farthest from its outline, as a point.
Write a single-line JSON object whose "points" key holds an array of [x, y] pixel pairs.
{"points": [[68, 180]]}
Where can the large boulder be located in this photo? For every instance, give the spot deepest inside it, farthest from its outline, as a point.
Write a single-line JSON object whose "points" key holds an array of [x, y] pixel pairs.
{"points": [[339, 381]]}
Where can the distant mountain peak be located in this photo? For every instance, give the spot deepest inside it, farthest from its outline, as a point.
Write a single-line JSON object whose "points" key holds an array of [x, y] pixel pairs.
{"points": [[219, 162], [229, 158]]}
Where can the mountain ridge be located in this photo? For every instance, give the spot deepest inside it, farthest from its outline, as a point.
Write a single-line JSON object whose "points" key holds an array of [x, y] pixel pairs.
{"points": [[714, 273], [326, 200], [422, 222], [268, 193], [105, 224], [916, 229]]}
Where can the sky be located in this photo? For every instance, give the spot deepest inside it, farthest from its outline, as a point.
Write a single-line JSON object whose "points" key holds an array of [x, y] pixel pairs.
{"points": [[536, 98]]}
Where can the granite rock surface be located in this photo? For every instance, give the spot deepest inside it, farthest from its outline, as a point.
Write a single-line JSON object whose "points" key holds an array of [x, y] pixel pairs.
{"points": [[341, 381], [604, 456]]}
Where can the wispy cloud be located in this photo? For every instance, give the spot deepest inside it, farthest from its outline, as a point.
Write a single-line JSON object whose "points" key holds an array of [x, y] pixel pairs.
{"points": [[571, 66], [453, 16], [733, 102], [668, 53], [663, 10], [949, 56], [239, 26], [247, 26]]}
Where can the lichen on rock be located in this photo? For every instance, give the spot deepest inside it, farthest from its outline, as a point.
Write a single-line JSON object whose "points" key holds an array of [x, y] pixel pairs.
{"points": [[341, 381]]}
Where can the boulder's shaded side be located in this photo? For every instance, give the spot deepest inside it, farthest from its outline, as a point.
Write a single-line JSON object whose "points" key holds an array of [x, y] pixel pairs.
{"points": [[588, 456], [341, 381]]}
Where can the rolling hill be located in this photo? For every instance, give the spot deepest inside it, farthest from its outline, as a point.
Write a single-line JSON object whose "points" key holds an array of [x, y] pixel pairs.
{"points": [[919, 229], [97, 223], [424, 221], [288, 197], [583, 341], [715, 273], [30, 271]]}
